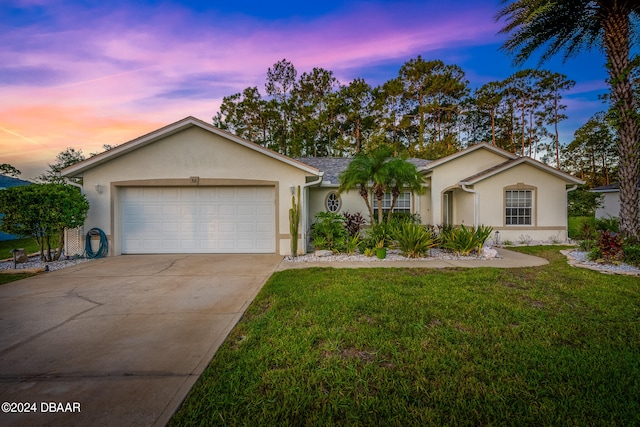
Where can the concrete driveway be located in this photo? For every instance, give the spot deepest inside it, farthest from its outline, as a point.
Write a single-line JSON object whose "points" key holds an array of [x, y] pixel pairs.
{"points": [[118, 341]]}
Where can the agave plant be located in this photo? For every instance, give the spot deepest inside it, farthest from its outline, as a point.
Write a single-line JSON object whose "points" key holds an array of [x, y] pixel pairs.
{"points": [[415, 240], [463, 240]]}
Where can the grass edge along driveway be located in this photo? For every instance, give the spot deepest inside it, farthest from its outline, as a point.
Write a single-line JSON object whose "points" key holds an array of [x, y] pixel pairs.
{"points": [[551, 345]]}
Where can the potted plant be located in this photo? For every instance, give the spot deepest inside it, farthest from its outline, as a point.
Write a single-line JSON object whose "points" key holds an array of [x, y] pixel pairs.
{"points": [[381, 251]]}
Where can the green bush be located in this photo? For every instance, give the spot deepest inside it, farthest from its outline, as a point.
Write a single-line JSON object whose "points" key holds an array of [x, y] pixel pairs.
{"points": [[608, 224], [328, 231], [581, 225], [383, 232], [353, 223], [609, 245], [463, 240], [631, 252], [415, 240]]}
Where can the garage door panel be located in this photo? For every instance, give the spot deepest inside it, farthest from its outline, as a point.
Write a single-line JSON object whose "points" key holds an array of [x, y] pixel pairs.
{"points": [[192, 220]]}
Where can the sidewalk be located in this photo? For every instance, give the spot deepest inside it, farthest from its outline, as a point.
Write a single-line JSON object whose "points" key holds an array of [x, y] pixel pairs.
{"points": [[508, 259]]}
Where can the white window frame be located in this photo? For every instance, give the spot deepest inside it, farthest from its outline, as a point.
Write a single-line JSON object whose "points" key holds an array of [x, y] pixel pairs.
{"points": [[403, 204], [519, 207], [333, 202]]}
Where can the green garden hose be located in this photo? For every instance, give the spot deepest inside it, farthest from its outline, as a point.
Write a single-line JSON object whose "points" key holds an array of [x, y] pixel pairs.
{"points": [[104, 244]]}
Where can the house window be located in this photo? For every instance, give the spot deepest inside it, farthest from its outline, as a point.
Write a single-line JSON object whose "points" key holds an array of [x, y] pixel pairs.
{"points": [[519, 207], [333, 202], [403, 204]]}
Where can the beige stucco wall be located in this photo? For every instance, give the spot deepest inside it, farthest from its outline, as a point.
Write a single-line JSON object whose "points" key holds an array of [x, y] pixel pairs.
{"points": [[610, 205], [173, 160], [352, 203], [550, 204], [447, 175]]}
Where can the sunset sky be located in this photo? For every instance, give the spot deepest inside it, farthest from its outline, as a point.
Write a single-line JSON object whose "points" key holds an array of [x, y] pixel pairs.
{"points": [[86, 73]]}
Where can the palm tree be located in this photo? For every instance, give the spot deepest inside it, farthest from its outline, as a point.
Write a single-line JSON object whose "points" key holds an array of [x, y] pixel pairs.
{"points": [[402, 174], [569, 26], [367, 172], [378, 172]]}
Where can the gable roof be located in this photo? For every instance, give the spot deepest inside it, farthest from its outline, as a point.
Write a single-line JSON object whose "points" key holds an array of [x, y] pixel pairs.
{"points": [[334, 166], [480, 146], [9, 181], [495, 170], [186, 123], [609, 188]]}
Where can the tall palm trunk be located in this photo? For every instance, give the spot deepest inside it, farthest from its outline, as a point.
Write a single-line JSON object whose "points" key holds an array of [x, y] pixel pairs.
{"points": [[616, 40]]}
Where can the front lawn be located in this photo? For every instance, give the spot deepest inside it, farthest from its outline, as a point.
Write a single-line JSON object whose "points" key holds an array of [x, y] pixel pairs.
{"points": [[29, 244], [552, 345]]}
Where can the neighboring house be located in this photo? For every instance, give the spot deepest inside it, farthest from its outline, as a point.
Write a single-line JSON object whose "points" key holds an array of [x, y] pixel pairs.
{"points": [[192, 188], [7, 182], [610, 207]]}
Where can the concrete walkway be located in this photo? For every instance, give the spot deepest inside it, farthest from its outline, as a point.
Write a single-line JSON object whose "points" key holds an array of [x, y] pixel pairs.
{"points": [[508, 259], [119, 341]]}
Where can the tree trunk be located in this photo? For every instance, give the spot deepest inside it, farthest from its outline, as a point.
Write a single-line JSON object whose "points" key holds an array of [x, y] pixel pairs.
{"points": [[60, 245], [379, 192], [48, 254], [493, 126], [555, 124], [365, 196], [395, 193], [523, 127], [617, 40]]}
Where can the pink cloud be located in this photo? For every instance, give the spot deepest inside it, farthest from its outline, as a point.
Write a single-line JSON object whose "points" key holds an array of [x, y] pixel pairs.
{"points": [[111, 66]]}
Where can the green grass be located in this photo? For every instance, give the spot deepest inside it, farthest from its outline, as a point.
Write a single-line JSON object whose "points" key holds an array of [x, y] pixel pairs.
{"points": [[576, 223], [7, 278], [551, 345], [29, 244]]}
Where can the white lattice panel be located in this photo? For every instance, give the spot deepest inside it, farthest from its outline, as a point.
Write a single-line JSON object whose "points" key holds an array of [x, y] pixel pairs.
{"points": [[74, 241]]}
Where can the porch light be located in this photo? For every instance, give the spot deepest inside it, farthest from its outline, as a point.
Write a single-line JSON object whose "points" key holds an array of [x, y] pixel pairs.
{"points": [[292, 188], [98, 187]]}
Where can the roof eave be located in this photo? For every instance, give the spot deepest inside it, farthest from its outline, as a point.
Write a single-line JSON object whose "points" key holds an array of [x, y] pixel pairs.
{"points": [[534, 163], [81, 167]]}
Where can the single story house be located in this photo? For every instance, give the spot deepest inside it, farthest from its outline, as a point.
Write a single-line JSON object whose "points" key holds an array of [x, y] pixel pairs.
{"points": [[190, 187], [610, 206], [8, 182]]}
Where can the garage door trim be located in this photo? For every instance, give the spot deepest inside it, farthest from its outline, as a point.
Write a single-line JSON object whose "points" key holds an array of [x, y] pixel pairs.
{"points": [[118, 186]]}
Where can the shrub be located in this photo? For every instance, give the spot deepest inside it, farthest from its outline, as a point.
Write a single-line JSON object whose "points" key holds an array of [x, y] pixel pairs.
{"points": [[415, 240], [608, 224], [587, 244], [462, 240], [402, 217], [382, 232], [351, 243], [576, 226], [631, 253], [328, 231], [609, 245], [525, 239], [353, 223]]}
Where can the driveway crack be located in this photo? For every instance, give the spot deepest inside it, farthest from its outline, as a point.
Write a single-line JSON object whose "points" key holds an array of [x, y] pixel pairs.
{"points": [[53, 328]]}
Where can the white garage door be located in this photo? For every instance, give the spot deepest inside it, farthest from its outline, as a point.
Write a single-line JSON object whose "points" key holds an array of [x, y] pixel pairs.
{"points": [[198, 220]]}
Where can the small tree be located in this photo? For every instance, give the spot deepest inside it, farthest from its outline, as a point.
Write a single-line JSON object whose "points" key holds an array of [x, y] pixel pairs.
{"points": [[8, 170], [377, 172], [42, 211], [64, 159]]}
